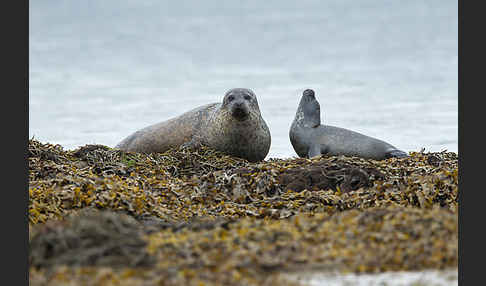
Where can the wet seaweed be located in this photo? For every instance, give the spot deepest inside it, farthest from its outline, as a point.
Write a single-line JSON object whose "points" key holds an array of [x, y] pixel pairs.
{"points": [[211, 218], [90, 238]]}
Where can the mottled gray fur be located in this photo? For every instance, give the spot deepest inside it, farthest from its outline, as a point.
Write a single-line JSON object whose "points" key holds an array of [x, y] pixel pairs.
{"points": [[310, 138], [234, 127]]}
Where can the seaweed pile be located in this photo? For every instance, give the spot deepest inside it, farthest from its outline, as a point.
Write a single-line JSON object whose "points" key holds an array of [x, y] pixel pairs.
{"points": [[200, 217]]}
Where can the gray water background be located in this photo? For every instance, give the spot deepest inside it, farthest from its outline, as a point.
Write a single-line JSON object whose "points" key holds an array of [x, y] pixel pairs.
{"points": [[100, 70]]}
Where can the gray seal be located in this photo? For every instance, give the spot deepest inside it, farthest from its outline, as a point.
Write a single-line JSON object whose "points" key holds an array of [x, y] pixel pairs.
{"points": [[310, 138], [234, 127]]}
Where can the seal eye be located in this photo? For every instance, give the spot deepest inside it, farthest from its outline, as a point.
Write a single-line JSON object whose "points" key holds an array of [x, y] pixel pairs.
{"points": [[230, 98], [247, 97]]}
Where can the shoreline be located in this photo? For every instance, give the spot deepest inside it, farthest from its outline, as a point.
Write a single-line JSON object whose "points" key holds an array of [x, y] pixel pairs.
{"points": [[72, 147], [447, 277]]}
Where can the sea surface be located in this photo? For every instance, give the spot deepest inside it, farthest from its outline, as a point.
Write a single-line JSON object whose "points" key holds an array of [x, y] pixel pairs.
{"points": [[100, 70]]}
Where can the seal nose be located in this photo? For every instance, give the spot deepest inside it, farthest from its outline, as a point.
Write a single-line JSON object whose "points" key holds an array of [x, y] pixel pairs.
{"points": [[239, 110], [309, 92]]}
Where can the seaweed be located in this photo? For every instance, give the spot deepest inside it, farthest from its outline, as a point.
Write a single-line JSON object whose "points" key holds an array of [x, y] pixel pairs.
{"points": [[199, 216]]}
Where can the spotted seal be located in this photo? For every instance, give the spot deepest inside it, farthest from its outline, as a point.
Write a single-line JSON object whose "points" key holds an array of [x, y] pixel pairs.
{"points": [[310, 138], [234, 127]]}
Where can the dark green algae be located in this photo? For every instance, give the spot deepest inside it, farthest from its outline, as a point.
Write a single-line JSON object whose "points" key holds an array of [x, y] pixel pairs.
{"points": [[199, 216]]}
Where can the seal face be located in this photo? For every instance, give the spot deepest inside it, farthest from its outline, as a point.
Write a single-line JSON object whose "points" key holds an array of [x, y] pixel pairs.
{"points": [[234, 127], [237, 127], [310, 138]]}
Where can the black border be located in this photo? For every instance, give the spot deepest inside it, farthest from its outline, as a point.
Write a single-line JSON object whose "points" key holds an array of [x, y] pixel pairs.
{"points": [[461, 220], [471, 224], [15, 117]]}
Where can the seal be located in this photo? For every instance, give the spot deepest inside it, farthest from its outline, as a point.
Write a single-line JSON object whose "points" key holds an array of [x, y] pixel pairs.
{"points": [[310, 138], [234, 127]]}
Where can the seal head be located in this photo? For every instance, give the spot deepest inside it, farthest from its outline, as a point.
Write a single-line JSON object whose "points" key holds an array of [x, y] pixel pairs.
{"points": [[239, 102], [237, 127], [309, 111]]}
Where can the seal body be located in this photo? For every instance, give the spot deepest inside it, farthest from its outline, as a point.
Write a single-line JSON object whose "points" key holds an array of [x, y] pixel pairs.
{"points": [[310, 138], [234, 127]]}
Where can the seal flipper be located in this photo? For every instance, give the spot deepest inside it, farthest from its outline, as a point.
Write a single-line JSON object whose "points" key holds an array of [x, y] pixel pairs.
{"points": [[396, 154], [194, 144], [314, 150]]}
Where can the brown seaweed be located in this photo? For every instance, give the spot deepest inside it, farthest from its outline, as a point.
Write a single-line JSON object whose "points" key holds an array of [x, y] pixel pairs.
{"points": [[206, 217]]}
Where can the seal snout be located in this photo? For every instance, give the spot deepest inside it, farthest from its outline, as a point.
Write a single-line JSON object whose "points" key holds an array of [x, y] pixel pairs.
{"points": [[309, 93], [239, 110]]}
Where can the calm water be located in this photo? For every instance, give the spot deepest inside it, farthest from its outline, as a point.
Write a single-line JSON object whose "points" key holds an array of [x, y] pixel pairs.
{"points": [[99, 70]]}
